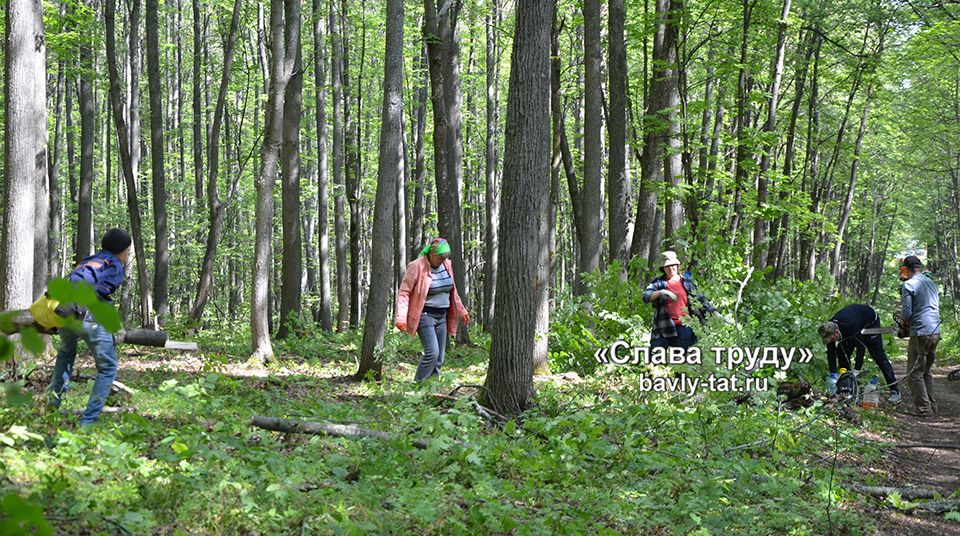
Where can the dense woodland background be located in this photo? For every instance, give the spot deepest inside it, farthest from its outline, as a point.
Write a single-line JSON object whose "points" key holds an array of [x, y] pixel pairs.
{"points": [[249, 147], [278, 163]]}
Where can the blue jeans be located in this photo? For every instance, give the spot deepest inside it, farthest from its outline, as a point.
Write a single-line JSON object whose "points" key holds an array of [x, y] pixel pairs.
{"points": [[685, 339], [104, 351], [433, 337]]}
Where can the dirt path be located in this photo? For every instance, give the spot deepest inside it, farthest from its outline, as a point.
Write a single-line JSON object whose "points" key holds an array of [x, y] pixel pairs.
{"points": [[931, 468]]}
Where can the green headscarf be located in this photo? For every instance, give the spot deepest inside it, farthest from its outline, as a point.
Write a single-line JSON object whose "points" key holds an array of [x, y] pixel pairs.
{"points": [[437, 246]]}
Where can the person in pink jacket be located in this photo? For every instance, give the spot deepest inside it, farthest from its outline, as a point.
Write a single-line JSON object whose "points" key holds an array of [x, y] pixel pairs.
{"points": [[428, 304]]}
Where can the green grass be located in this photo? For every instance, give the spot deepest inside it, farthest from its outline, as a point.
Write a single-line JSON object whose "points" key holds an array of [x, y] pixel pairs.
{"points": [[593, 457]]}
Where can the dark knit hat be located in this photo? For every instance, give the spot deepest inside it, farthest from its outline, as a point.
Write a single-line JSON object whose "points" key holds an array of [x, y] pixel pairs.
{"points": [[116, 241], [912, 262]]}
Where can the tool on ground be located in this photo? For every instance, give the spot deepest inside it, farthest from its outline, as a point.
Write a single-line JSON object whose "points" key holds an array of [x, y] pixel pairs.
{"points": [[848, 387]]}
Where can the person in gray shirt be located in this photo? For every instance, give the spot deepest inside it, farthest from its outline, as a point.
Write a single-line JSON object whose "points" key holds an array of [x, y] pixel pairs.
{"points": [[920, 309]]}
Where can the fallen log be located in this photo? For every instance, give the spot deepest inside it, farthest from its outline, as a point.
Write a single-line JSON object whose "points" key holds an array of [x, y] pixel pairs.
{"points": [[141, 337], [349, 431], [906, 493], [927, 446], [936, 507]]}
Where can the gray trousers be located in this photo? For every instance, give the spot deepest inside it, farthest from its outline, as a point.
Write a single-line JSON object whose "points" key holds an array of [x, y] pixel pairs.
{"points": [[433, 336], [921, 353]]}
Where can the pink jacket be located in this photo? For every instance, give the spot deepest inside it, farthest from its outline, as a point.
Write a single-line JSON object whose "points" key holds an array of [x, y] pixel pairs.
{"points": [[413, 294]]}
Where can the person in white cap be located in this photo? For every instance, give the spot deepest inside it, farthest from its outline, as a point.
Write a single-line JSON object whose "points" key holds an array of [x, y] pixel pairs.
{"points": [[672, 295]]}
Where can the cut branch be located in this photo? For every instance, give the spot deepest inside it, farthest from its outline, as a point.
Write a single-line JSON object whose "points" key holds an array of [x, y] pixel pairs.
{"points": [[349, 431]]}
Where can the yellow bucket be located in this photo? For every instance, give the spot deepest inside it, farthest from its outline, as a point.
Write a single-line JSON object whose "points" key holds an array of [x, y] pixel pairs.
{"points": [[44, 312]]}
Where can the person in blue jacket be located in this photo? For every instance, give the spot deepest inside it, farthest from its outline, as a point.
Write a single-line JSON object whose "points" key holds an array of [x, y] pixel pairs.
{"points": [[105, 272]]}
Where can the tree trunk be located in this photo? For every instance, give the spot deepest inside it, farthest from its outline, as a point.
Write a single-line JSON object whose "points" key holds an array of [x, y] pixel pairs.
{"points": [[323, 176], [25, 150], [197, 123], [214, 204], [491, 198], [389, 172], [85, 188], [760, 249], [443, 50], [416, 220], [292, 272], [673, 166], [523, 250], [123, 137], [52, 262], [591, 239], [284, 40], [161, 254], [339, 223], [742, 153], [352, 176], [133, 89], [618, 189], [851, 189]]}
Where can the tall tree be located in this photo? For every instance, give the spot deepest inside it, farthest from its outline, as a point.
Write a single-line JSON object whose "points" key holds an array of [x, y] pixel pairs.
{"points": [[292, 267], [389, 172], [591, 239], [443, 52], [284, 41], [760, 249], [123, 141], [323, 176], [84, 241], [339, 193], [490, 156], [197, 108], [161, 256], [618, 182], [24, 149], [215, 205], [526, 182]]}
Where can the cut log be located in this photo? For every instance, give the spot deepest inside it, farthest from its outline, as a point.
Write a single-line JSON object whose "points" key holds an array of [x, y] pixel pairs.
{"points": [[906, 493], [142, 337], [18, 320], [349, 431]]}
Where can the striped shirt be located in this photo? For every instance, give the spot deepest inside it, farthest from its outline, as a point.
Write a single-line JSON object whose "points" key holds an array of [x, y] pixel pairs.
{"points": [[438, 297]]}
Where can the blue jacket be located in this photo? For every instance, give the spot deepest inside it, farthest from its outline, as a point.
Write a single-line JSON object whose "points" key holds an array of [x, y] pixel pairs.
{"points": [[103, 271]]}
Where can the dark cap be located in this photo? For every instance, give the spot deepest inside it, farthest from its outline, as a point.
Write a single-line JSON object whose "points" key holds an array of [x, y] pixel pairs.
{"points": [[912, 262], [116, 241]]}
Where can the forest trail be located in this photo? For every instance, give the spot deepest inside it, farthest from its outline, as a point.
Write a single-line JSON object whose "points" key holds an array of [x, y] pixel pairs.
{"points": [[930, 468]]}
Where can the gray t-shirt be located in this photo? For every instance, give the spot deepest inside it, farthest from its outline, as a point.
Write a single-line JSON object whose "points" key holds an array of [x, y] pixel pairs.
{"points": [[921, 305], [438, 296]]}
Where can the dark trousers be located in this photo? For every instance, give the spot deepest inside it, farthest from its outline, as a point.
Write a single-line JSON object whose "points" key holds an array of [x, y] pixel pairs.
{"points": [[862, 343], [685, 339]]}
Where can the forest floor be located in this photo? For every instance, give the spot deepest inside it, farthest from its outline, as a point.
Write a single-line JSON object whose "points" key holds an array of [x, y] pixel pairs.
{"points": [[929, 468], [596, 456]]}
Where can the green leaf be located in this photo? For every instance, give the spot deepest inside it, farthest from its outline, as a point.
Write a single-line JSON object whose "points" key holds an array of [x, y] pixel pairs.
{"points": [[32, 340], [22, 517], [15, 397], [6, 349], [952, 516]]}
